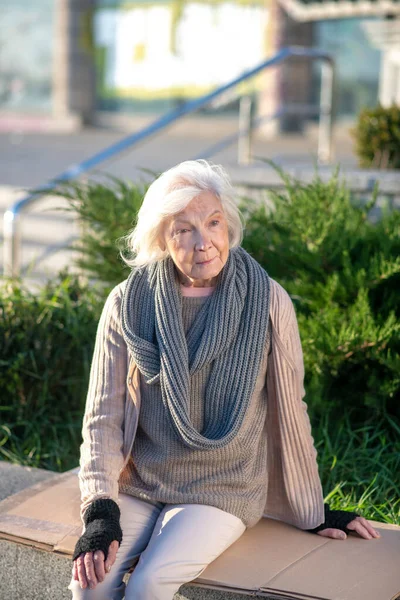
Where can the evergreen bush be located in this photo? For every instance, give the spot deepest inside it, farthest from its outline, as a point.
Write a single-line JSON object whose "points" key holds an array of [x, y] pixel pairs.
{"points": [[377, 137], [341, 270], [106, 210], [343, 274], [47, 340]]}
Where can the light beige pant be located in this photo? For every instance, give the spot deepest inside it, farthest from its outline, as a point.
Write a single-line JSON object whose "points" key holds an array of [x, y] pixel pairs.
{"points": [[175, 545]]}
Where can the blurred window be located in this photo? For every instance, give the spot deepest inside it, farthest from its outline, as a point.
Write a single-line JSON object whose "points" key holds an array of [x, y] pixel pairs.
{"points": [[26, 40], [155, 55], [357, 64]]}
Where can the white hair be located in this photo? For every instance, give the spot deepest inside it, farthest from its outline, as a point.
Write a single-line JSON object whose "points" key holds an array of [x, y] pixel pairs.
{"points": [[169, 194]]}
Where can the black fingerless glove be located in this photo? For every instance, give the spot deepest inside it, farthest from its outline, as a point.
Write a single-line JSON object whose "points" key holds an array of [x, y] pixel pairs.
{"points": [[101, 519], [337, 519]]}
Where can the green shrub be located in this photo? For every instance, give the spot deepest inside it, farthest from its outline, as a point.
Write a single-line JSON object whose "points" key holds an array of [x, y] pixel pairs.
{"points": [[343, 274], [47, 342], [341, 270], [107, 210], [377, 136]]}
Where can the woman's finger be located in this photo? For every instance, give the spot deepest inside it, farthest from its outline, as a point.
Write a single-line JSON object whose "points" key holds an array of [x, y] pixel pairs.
{"points": [[361, 526], [368, 525], [90, 573], [330, 532], [112, 554], [98, 559], [75, 570], [81, 571]]}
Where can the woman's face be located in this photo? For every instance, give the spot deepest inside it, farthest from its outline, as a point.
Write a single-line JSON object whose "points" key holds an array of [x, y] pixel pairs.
{"points": [[197, 240]]}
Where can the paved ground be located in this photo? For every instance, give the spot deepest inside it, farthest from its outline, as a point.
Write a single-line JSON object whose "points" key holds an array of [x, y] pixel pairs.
{"points": [[31, 159]]}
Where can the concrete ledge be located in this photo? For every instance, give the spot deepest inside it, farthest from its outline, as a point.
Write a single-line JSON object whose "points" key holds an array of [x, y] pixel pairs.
{"points": [[259, 175], [40, 524], [31, 574], [15, 478]]}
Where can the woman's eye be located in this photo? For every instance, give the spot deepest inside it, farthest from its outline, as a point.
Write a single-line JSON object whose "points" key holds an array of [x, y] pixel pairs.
{"points": [[182, 230], [215, 222]]}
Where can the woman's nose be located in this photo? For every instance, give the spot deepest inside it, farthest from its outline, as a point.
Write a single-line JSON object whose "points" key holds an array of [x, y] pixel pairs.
{"points": [[202, 241]]}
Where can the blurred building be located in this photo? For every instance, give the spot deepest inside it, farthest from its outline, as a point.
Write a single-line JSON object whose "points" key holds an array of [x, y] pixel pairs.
{"points": [[364, 38], [64, 63]]}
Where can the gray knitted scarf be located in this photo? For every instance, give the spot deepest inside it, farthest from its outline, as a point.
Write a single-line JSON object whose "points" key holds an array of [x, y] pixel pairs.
{"points": [[230, 330]]}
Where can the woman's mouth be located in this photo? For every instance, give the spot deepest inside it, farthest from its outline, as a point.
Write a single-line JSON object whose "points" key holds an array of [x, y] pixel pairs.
{"points": [[206, 262]]}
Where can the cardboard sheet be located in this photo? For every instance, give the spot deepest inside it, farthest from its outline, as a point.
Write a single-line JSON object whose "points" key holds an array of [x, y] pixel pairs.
{"points": [[273, 559]]}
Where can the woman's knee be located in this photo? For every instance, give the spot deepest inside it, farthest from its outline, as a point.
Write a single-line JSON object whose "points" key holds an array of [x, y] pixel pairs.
{"points": [[159, 582], [149, 584], [106, 590]]}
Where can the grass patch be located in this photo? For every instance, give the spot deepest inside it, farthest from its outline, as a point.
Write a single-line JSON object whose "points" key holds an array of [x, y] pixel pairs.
{"points": [[359, 466]]}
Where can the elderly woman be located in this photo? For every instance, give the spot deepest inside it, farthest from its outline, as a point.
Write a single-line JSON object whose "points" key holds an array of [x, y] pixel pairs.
{"points": [[194, 427]]}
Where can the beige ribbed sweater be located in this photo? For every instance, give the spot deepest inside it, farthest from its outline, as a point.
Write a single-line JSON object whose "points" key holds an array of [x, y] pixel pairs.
{"points": [[163, 469], [293, 487]]}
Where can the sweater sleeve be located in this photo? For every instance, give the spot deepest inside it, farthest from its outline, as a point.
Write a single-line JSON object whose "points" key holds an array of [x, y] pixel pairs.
{"points": [[291, 342], [101, 455], [302, 484]]}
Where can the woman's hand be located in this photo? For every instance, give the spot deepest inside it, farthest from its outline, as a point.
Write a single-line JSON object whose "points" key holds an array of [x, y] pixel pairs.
{"points": [[360, 525], [96, 549], [90, 568]]}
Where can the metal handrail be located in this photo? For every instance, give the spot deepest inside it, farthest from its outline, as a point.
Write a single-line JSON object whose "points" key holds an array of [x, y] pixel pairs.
{"points": [[11, 219], [252, 124]]}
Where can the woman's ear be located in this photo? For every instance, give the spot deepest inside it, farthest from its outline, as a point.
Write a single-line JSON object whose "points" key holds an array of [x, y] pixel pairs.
{"points": [[161, 238], [161, 243]]}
